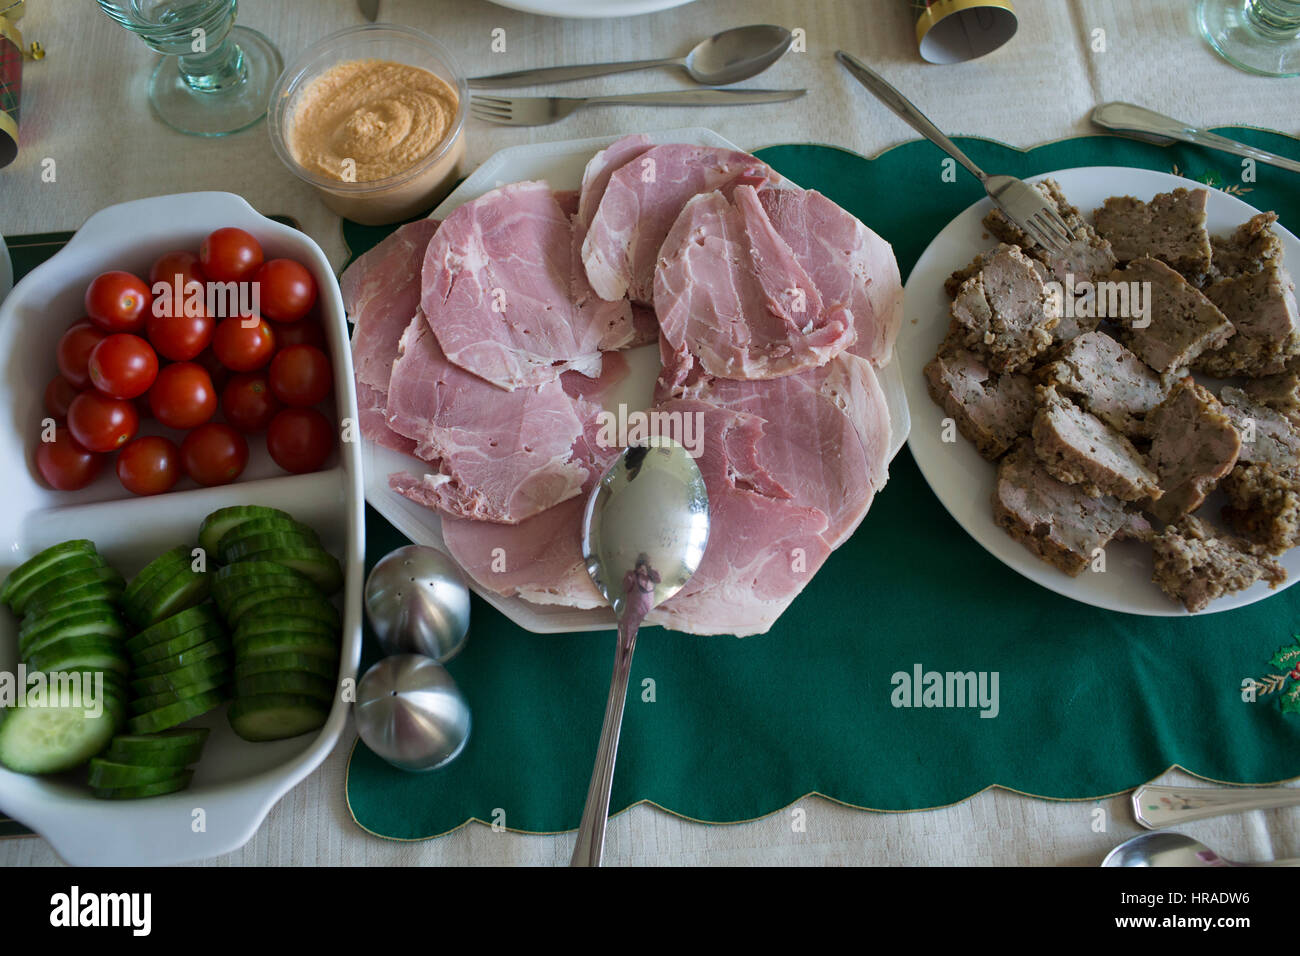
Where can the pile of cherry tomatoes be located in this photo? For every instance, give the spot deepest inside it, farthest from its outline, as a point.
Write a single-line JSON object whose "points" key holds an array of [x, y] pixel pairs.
{"points": [[125, 361]]}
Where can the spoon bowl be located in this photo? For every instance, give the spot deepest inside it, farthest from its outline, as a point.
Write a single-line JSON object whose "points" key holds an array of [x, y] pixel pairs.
{"points": [[737, 54], [1165, 848]]}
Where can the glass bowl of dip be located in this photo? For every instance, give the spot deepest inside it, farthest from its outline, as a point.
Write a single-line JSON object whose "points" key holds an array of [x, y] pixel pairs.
{"points": [[373, 117]]}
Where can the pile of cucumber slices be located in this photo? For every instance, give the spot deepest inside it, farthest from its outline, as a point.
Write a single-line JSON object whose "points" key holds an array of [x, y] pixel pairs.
{"points": [[246, 617]]}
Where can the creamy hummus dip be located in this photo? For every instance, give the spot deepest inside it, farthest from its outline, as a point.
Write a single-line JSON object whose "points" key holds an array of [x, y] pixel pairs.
{"points": [[366, 120]]}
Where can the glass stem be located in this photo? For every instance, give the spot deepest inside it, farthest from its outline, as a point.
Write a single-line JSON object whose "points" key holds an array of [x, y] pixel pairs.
{"points": [[1274, 19], [214, 70]]}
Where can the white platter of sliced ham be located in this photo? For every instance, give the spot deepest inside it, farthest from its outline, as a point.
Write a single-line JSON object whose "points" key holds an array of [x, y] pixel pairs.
{"points": [[569, 297]]}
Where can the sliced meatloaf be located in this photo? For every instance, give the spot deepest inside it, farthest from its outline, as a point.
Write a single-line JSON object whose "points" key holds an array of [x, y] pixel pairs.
{"points": [[1177, 322], [1267, 436], [1261, 306], [1000, 313], [991, 411], [1193, 445], [1108, 380], [1194, 565], [1264, 505], [952, 285], [1078, 448], [1088, 257], [1279, 392], [1171, 228], [1060, 523], [1252, 244]]}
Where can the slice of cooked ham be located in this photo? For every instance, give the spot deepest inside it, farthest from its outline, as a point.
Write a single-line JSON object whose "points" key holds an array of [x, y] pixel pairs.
{"points": [[501, 293], [849, 263], [642, 200], [729, 289], [497, 456]]}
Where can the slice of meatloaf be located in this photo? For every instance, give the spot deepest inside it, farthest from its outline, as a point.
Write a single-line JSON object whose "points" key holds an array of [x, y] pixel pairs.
{"points": [[1262, 309], [952, 285], [1245, 251], [1078, 448], [1171, 228], [1279, 392], [1193, 445], [1193, 565], [1267, 436], [1088, 257], [1000, 313], [1060, 523], [1108, 380], [991, 411], [1177, 324], [1264, 505]]}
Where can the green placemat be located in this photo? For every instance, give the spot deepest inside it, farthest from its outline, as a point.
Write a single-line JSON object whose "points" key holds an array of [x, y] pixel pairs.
{"points": [[1090, 702]]}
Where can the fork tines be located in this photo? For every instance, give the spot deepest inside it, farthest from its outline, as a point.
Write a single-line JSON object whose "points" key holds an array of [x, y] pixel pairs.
{"points": [[490, 108]]}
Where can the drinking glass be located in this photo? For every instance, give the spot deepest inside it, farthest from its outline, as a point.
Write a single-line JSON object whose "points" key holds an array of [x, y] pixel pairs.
{"points": [[1259, 36], [215, 78]]}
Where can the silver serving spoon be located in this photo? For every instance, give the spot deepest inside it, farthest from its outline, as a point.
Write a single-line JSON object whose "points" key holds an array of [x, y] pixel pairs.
{"points": [[727, 57], [643, 536], [1173, 849]]}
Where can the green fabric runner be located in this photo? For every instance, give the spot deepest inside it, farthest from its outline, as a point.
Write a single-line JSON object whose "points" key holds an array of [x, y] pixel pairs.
{"points": [[1091, 702]]}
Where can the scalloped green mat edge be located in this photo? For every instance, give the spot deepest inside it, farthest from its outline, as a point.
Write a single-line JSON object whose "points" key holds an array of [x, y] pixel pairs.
{"points": [[1092, 703]]}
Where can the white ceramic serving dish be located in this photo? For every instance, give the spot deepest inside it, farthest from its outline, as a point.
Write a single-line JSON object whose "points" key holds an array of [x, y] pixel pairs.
{"points": [[589, 9], [963, 480], [236, 783], [561, 164]]}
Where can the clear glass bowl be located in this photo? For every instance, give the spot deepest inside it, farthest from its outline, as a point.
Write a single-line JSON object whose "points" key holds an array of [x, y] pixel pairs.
{"points": [[403, 194]]}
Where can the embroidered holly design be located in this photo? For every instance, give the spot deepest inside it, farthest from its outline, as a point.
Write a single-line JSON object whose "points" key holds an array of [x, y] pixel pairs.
{"points": [[1285, 682], [1212, 179]]}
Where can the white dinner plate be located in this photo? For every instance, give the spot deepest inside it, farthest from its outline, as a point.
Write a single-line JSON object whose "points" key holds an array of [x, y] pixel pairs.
{"points": [[962, 480], [235, 782], [561, 164], [590, 9]]}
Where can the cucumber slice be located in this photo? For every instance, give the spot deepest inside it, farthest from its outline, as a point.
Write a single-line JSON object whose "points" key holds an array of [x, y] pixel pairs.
{"points": [[214, 683], [172, 647], [176, 748], [216, 525], [250, 601], [182, 590], [157, 571], [110, 591], [257, 543], [258, 527], [107, 774], [182, 676], [276, 716], [286, 682], [81, 653], [91, 624], [65, 585], [287, 661], [171, 785], [317, 563], [229, 575], [34, 629], [35, 622], [224, 592], [286, 641], [309, 609], [52, 739], [174, 626], [37, 565], [65, 573], [175, 714], [203, 652]]}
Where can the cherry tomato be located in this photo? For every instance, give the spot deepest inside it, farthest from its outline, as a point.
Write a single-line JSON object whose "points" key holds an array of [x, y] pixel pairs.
{"points": [[304, 332], [219, 374], [102, 423], [248, 403], [73, 352], [65, 463], [243, 343], [171, 265], [230, 255], [58, 396], [300, 439], [286, 289], [183, 396], [214, 454], [149, 465], [180, 337], [118, 302], [300, 376], [123, 366]]}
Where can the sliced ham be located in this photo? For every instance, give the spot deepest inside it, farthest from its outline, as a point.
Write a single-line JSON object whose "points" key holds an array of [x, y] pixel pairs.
{"points": [[642, 200], [850, 264], [501, 294], [729, 289]]}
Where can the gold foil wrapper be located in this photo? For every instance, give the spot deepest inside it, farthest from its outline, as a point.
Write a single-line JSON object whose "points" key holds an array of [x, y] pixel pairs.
{"points": [[11, 86], [952, 31]]}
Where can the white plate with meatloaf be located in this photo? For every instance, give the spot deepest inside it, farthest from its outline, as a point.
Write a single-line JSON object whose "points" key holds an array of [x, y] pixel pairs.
{"points": [[476, 412], [1118, 423]]}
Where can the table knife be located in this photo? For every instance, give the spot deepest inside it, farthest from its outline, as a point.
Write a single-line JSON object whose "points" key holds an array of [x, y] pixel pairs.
{"points": [[1155, 127]]}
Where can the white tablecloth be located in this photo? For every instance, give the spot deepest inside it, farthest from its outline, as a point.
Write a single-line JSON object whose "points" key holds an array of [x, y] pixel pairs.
{"points": [[84, 107]]}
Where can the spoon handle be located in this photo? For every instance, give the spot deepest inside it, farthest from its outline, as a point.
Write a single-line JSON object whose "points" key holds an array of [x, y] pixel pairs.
{"points": [[562, 74], [1159, 807], [595, 815]]}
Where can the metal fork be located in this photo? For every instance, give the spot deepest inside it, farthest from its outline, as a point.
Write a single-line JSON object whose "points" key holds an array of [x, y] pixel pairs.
{"points": [[538, 110], [1027, 208]]}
